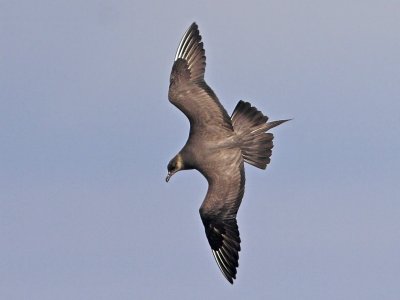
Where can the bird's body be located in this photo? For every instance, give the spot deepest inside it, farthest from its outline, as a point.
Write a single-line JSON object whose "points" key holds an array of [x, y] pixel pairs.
{"points": [[218, 145]]}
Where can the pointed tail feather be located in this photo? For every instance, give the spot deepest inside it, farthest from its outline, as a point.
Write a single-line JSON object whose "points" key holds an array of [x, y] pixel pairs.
{"points": [[251, 126]]}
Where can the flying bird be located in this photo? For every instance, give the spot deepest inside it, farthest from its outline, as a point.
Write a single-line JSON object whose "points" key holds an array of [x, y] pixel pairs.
{"points": [[218, 145]]}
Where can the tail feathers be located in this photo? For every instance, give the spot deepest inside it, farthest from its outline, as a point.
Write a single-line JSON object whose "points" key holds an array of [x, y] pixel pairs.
{"points": [[251, 126]]}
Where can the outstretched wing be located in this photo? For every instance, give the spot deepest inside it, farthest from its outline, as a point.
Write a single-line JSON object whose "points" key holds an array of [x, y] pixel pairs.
{"points": [[218, 212], [188, 91]]}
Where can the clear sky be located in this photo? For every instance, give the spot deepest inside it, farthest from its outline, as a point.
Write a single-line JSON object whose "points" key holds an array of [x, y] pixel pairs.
{"points": [[86, 132]]}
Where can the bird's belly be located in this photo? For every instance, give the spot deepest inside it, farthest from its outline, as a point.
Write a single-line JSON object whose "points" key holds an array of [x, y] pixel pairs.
{"points": [[211, 154]]}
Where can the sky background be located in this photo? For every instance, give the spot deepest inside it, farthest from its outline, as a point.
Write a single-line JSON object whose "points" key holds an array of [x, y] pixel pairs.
{"points": [[86, 132]]}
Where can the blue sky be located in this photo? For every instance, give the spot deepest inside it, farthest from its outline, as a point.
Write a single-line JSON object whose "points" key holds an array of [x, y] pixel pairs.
{"points": [[86, 132]]}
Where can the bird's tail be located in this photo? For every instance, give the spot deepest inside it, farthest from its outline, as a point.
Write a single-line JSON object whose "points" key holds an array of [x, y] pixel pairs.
{"points": [[251, 126]]}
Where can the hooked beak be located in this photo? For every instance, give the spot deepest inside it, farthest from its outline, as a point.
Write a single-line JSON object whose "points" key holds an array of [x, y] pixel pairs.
{"points": [[169, 176]]}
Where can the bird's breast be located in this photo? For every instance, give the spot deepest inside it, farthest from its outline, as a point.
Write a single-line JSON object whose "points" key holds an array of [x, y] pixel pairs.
{"points": [[205, 151]]}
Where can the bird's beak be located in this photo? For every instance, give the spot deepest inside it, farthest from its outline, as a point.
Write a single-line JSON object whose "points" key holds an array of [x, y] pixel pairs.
{"points": [[168, 176]]}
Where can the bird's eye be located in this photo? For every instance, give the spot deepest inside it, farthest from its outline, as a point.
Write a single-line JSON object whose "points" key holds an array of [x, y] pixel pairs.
{"points": [[171, 166]]}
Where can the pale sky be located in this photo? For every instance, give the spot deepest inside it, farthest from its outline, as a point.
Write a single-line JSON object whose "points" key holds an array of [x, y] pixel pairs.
{"points": [[86, 132]]}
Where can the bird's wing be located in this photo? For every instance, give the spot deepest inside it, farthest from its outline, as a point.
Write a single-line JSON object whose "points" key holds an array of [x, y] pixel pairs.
{"points": [[218, 212], [188, 91]]}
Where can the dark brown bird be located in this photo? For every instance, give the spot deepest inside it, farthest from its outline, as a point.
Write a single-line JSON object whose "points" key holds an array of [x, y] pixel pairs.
{"points": [[218, 146]]}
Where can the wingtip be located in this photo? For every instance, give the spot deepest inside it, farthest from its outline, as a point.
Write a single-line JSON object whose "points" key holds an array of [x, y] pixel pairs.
{"points": [[193, 27], [227, 272]]}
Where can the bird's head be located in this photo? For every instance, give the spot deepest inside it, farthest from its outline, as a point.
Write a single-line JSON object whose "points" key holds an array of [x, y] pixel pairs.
{"points": [[175, 165]]}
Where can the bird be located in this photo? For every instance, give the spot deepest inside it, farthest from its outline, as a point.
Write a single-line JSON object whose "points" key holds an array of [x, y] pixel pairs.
{"points": [[218, 146]]}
